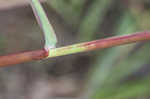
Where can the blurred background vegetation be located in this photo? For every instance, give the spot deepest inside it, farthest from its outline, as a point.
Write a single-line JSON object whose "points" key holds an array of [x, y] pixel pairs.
{"points": [[115, 73]]}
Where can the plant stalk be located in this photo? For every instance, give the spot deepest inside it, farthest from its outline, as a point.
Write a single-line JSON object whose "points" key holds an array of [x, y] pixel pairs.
{"points": [[71, 49]]}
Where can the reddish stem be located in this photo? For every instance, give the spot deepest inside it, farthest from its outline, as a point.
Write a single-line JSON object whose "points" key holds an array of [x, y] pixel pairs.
{"points": [[22, 57], [116, 41], [93, 45]]}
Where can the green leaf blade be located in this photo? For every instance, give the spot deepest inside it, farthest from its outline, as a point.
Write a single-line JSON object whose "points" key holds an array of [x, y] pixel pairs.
{"points": [[49, 33]]}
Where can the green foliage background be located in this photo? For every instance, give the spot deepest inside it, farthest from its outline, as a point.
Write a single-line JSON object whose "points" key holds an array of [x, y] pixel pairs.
{"points": [[116, 73], [120, 72]]}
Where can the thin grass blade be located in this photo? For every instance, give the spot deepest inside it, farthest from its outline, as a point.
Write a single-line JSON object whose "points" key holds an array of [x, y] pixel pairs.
{"points": [[49, 33]]}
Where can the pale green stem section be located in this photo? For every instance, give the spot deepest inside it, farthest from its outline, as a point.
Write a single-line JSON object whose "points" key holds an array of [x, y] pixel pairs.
{"points": [[99, 44], [67, 50], [50, 37]]}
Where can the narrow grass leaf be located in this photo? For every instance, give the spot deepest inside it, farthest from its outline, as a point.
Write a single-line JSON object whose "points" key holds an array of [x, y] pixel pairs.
{"points": [[50, 37]]}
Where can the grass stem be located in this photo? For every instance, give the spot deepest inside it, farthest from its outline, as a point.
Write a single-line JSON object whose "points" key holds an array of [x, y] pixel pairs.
{"points": [[71, 49]]}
